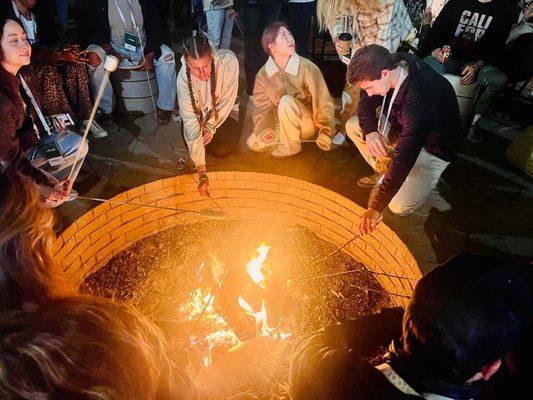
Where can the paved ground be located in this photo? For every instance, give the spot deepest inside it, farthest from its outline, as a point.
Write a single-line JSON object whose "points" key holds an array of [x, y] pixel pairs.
{"points": [[482, 203]]}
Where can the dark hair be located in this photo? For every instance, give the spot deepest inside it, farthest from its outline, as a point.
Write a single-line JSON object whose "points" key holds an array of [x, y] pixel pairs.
{"points": [[368, 62], [196, 47], [29, 272], [3, 22], [270, 34], [465, 314], [87, 348]]}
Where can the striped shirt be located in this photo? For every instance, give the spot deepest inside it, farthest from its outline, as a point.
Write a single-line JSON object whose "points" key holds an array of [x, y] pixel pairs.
{"points": [[387, 27]]}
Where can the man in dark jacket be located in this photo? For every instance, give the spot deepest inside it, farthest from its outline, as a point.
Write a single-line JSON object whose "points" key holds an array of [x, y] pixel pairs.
{"points": [[417, 134], [134, 31], [462, 318], [476, 31]]}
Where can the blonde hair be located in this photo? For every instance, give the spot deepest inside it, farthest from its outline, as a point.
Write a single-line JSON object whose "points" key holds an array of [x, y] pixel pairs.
{"points": [[328, 11], [28, 271]]}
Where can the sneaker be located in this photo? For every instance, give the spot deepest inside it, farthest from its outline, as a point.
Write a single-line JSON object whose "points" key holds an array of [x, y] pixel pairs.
{"points": [[163, 116], [96, 129], [338, 139], [370, 181], [106, 122]]}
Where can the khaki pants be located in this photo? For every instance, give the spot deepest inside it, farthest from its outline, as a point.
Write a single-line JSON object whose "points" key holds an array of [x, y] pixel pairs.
{"points": [[421, 180], [295, 124]]}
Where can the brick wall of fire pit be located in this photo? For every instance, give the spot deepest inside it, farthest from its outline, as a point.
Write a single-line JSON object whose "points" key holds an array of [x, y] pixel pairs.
{"points": [[93, 239]]}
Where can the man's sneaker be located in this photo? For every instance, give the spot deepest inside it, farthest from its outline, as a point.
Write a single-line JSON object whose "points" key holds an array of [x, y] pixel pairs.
{"points": [[163, 116], [370, 181], [106, 122], [96, 129]]}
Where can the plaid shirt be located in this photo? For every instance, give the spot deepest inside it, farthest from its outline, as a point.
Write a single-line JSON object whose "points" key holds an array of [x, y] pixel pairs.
{"points": [[388, 27]]}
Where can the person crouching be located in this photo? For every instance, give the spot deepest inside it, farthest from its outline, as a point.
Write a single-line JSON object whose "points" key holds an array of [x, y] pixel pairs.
{"points": [[207, 94], [291, 99]]}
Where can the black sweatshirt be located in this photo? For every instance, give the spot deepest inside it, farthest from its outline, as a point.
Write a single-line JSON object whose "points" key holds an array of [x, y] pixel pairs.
{"points": [[425, 114], [474, 30]]}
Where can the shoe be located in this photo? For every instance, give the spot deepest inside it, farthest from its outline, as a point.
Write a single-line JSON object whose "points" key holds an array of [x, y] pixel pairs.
{"points": [[370, 181], [106, 122], [163, 116], [96, 130], [338, 139], [475, 136]]}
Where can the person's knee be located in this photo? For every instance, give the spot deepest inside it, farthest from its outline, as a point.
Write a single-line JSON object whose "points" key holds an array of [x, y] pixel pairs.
{"points": [[167, 55], [286, 102], [353, 130], [402, 209]]}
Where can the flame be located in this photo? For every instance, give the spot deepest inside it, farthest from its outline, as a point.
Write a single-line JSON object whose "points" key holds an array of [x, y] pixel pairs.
{"points": [[255, 266], [260, 317]]}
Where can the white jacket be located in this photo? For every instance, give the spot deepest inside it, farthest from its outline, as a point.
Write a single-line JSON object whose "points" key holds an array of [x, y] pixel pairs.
{"points": [[227, 76]]}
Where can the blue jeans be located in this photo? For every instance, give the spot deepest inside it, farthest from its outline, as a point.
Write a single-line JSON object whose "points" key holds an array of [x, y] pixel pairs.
{"points": [[68, 146], [491, 78], [165, 71], [220, 27]]}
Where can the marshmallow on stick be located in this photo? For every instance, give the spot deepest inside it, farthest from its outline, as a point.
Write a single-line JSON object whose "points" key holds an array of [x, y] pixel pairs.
{"points": [[110, 65]]}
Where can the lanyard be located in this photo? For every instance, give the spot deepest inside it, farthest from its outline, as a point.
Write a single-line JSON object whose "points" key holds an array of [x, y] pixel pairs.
{"points": [[121, 15], [383, 129], [35, 106]]}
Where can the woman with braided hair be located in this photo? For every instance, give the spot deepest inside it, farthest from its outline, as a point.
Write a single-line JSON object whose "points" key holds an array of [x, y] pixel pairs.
{"points": [[207, 93]]}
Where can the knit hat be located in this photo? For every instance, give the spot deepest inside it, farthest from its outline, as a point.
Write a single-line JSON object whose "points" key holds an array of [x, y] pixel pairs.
{"points": [[465, 314]]}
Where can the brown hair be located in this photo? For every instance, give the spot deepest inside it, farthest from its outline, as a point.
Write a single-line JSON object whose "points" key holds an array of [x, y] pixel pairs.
{"points": [[88, 348], [196, 47], [368, 62], [28, 271], [270, 34]]}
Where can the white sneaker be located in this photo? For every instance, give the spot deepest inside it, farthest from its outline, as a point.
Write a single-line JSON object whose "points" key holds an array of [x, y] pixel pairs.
{"points": [[96, 130], [338, 139]]}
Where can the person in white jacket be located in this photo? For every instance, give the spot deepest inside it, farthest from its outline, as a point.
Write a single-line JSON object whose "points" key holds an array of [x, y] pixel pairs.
{"points": [[207, 93]]}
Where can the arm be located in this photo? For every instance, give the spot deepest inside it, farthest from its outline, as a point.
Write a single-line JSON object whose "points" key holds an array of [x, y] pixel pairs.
{"points": [[263, 113], [228, 81], [440, 32], [192, 131], [414, 133], [366, 112], [323, 109]]}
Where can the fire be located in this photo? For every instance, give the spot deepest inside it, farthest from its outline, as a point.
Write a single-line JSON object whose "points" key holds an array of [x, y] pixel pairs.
{"points": [[201, 308], [255, 266]]}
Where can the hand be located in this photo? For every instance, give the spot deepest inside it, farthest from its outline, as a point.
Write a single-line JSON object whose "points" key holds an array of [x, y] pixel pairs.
{"points": [[59, 192], [341, 47], [232, 13], [369, 220], [93, 59], [375, 144], [427, 16], [59, 126], [469, 74], [148, 62], [207, 137], [438, 54], [323, 142], [203, 184], [66, 55]]}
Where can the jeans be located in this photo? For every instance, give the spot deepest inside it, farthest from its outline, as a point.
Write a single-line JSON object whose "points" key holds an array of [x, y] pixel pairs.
{"points": [[165, 71], [421, 180], [300, 24], [68, 146], [255, 19], [489, 77], [220, 27]]}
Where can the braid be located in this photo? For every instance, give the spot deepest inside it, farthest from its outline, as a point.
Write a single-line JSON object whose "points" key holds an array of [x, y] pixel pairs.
{"points": [[193, 101], [213, 79]]}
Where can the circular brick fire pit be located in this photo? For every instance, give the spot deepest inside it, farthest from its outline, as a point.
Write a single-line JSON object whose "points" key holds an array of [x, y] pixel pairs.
{"points": [[97, 236]]}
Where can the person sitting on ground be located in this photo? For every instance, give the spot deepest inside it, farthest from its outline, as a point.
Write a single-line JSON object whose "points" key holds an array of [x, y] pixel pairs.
{"points": [[416, 136], [462, 318], [26, 140], [207, 95], [30, 275], [476, 31], [61, 72], [290, 91], [88, 348], [133, 31]]}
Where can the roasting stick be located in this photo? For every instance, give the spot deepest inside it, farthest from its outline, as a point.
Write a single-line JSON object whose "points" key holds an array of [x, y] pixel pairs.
{"points": [[110, 65]]}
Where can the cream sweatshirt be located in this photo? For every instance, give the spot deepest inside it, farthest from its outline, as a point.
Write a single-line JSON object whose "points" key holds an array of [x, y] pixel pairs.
{"points": [[227, 76]]}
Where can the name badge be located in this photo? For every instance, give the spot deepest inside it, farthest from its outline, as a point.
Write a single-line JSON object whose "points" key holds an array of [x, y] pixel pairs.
{"points": [[131, 42]]}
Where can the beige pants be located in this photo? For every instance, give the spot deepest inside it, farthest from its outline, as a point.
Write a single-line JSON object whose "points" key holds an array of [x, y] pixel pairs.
{"points": [[421, 180], [295, 124]]}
